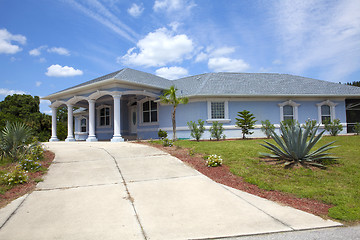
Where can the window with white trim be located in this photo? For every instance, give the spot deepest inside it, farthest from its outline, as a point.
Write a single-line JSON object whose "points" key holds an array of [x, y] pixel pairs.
{"points": [[325, 114], [104, 115], [326, 111], [83, 125], [217, 110], [149, 112], [288, 110]]}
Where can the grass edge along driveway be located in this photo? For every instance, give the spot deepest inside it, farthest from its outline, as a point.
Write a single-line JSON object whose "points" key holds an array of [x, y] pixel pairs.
{"points": [[338, 185]]}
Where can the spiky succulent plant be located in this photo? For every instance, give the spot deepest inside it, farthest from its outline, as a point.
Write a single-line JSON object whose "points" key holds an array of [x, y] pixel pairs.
{"points": [[294, 147]]}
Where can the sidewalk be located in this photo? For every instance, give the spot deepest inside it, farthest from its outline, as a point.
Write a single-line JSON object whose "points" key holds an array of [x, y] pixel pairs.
{"points": [[131, 191]]}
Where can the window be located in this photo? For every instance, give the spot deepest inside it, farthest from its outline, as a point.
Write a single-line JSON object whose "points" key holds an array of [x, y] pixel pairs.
{"points": [[288, 112], [217, 110], [150, 112], [105, 116], [325, 113], [83, 125]]}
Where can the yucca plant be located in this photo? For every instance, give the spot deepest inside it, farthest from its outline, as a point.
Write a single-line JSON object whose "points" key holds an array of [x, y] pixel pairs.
{"points": [[13, 140], [295, 146]]}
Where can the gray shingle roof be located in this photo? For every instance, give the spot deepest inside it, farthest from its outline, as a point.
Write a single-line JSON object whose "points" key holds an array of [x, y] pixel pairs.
{"points": [[131, 76], [234, 84], [260, 84]]}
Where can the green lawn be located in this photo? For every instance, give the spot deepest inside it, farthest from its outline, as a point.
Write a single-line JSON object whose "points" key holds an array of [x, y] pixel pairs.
{"points": [[339, 184]]}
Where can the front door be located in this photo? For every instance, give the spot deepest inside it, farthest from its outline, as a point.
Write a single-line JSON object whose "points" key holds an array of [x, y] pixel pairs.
{"points": [[133, 119]]}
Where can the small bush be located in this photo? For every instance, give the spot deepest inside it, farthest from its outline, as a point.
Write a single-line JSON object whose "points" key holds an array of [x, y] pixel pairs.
{"points": [[217, 130], [30, 165], [197, 129], [167, 142], [18, 176], [311, 124], [334, 127], [357, 128], [266, 127], [162, 134], [214, 160]]}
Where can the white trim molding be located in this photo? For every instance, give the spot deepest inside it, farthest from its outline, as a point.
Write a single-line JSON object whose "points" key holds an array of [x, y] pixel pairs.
{"points": [[226, 118], [290, 103], [332, 106]]}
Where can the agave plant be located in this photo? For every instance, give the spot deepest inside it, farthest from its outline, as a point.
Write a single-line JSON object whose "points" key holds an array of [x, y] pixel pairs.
{"points": [[295, 146], [13, 140]]}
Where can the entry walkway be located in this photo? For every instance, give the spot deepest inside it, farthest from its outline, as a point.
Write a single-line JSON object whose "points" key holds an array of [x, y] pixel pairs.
{"points": [[131, 191]]}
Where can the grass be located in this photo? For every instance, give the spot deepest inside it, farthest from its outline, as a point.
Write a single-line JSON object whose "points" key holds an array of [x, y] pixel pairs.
{"points": [[338, 185]]}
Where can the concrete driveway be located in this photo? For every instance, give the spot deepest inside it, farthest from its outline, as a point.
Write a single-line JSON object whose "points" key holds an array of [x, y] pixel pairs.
{"points": [[131, 191]]}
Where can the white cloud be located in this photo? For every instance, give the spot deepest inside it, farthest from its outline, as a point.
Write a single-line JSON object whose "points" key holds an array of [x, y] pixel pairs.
{"points": [[158, 49], [170, 6], [319, 35], [6, 39], [135, 10], [59, 50], [172, 72], [38, 83], [5, 92], [211, 52], [37, 51], [223, 64], [59, 71], [277, 62]]}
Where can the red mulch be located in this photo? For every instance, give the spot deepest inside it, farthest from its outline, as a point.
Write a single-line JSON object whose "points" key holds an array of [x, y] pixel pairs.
{"points": [[223, 175], [22, 189]]}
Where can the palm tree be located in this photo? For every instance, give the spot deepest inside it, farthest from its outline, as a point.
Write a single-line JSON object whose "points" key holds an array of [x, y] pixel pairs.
{"points": [[169, 97], [13, 140]]}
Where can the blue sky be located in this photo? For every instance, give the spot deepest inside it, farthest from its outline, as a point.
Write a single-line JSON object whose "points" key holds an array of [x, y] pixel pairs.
{"points": [[47, 46]]}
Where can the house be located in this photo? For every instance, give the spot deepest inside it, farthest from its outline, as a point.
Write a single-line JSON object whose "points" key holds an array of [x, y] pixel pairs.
{"points": [[125, 104]]}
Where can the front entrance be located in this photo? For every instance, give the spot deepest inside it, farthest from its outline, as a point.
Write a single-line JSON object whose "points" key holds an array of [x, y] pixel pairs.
{"points": [[133, 119]]}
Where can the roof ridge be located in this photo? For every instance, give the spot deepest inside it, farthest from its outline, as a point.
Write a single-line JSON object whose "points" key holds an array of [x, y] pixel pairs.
{"points": [[208, 75]]}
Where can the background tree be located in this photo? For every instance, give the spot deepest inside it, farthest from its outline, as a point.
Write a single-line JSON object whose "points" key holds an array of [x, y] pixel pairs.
{"points": [[25, 108], [61, 118], [246, 122], [169, 97], [355, 83]]}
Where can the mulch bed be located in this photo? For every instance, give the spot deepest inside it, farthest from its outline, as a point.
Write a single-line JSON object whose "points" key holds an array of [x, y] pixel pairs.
{"points": [[223, 175], [21, 189]]}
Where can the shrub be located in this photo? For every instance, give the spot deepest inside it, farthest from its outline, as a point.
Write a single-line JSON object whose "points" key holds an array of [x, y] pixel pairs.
{"points": [[311, 124], [162, 134], [167, 142], [294, 148], [334, 127], [214, 160], [246, 122], [266, 126], [36, 152], [357, 128], [216, 130], [197, 129], [13, 140], [18, 176], [30, 165]]}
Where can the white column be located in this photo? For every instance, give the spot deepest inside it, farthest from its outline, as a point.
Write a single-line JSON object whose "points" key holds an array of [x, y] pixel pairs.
{"points": [[117, 135], [53, 125], [70, 136], [91, 137]]}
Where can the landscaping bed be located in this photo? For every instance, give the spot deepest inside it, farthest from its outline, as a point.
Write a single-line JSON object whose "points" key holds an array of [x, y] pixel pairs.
{"points": [[10, 193], [333, 192]]}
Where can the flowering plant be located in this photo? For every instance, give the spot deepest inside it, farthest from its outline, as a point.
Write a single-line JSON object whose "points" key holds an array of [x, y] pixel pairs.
{"points": [[18, 176], [214, 160], [30, 165]]}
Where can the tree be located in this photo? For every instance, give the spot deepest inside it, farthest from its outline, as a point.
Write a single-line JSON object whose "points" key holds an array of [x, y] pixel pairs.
{"points": [[197, 129], [169, 97], [354, 83], [25, 108], [246, 122], [61, 119], [217, 130]]}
